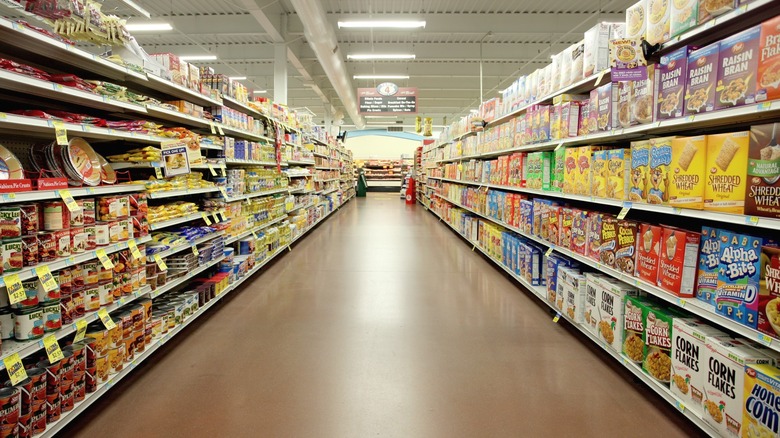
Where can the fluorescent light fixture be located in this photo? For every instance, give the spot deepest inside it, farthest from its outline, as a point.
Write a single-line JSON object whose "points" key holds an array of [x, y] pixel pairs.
{"points": [[135, 6], [148, 27], [380, 77], [380, 56], [406, 24], [381, 117], [198, 58], [237, 78], [474, 111], [260, 91]]}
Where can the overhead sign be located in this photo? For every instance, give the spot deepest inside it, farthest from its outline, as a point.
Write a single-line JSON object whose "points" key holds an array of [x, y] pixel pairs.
{"points": [[387, 99]]}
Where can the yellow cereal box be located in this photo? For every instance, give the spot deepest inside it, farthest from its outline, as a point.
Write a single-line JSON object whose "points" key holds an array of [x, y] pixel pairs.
{"points": [[640, 160], [583, 174], [658, 170], [760, 411], [686, 177], [726, 172], [600, 173], [619, 165], [570, 170]]}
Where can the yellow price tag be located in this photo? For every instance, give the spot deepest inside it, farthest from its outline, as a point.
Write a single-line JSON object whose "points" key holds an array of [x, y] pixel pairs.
{"points": [[47, 280], [206, 218], [158, 172], [254, 234], [223, 216], [213, 128], [81, 330], [3, 116], [13, 285], [160, 262], [752, 220], [134, 251], [61, 133], [560, 145], [219, 128], [601, 76], [195, 250], [557, 317], [104, 260], [67, 198], [623, 213], [212, 170], [52, 348], [108, 323], [216, 218], [222, 169], [223, 191], [15, 368], [549, 251]]}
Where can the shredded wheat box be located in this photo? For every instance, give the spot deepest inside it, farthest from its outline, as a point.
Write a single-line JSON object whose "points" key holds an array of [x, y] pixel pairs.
{"points": [[727, 162], [762, 193], [761, 410], [687, 171]]}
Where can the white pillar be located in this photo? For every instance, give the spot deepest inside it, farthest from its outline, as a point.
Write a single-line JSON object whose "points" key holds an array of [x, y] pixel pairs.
{"points": [[328, 118], [280, 73]]}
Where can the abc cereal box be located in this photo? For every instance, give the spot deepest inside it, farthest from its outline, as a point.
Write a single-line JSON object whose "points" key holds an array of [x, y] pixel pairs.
{"points": [[769, 292], [739, 274], [727, 157], [640, 160], [658, 171], [761, 412], [769, 61], [686, 176], [709, 261], [762, 197]]}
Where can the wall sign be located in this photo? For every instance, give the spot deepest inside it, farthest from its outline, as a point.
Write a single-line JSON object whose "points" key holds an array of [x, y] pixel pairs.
{"points": [[387, 99]]}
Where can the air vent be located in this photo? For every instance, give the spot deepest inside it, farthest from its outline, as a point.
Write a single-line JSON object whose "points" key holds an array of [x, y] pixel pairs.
{"points": [[395, 129]]}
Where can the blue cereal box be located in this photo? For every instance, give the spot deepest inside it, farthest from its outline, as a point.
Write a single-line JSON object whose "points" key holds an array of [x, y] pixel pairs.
{"points": [[527, 216], [709, 261], [739, 273]]}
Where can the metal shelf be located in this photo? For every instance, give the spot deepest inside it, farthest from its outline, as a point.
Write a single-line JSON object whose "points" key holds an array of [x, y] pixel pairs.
{"points": [[302, 207], [180, 220], [211, 147], [173, 284], [235, 161], [149, 165], [162, 194], [327, 192], [45, 128], [43, 195], [300, 163], [256, 194], [254, 230], [179, 248], [158, 85]]}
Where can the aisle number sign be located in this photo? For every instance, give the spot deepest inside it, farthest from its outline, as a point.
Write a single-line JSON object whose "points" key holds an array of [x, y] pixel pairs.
{"points": [[52, 348], [108, 323], [13, 364], [13, 285]]}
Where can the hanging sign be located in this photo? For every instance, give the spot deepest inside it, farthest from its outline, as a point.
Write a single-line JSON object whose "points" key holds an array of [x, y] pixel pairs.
{"points": [[387, 99]]}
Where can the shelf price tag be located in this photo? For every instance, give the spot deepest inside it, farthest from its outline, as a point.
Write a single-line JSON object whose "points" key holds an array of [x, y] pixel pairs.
{"points": [[52, 348], [222, 169], [764, 339], [763, 106], [557, 317], [254, 234], [213, 128], [67, 198], [195, 250], [13, 286], [15, 368], [60, 132], [81, 330], [160, 262], [751, 220], [158, 172], [212, 170], [47, 280], [219, 128], [223, 216], [600, 77], [133, 247], [549, 252], [223, 191], [108, 323], [216, 218], [104, 260], [205, 218], [623, 212], [680, 406], [560, 145]]}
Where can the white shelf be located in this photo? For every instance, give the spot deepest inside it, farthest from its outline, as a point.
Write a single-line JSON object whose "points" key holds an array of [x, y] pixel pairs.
{"points": [[173, 284], [326, 180], [179, 248], [243, 234], [300, 163], [162, 194], [211, 147], [180, 220], [148, 165], [256, 194], [43, 195], [327, 168], [302, 207], [45, 128], [170, 88], [235, 161], [327, 192]]}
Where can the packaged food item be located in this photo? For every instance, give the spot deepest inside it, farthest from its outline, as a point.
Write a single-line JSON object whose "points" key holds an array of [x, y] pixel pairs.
{"points": [[10, 222], [571, 285], [590, 316], [768, 85], [30, 250], [88, 210], [62, 243], [596, 49], [687, 172], [640, 161], [737, 65], [688, 364], [609, 240], [709, 262], [610, 304], [636, 22], [769, 292], [593, 111], [600, 172], [559, 170], [619, 165], [648, 252], [702, 77], [56, 216], [577, 53], [672, 75], [634, 320], [621, 112], [567, 220], [554, 263], [658, 170], [583, 174], [678, 261], [579, 231], [570, 176], [708, 9], [739, 275], [625, 251], [659, 16], [685, 15], [642, 92], [760, 409], [604, 101], [762, 191], [113, 208], [12, 255], [727, 161], [658, 343], [595, 220]]}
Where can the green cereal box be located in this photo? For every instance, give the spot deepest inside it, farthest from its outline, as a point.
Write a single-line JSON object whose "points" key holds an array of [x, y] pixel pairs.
{"points": [[559, 169], [658, 343], [634, 320]]}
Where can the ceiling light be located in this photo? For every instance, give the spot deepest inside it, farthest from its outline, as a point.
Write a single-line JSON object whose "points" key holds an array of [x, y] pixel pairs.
{"points": [[382, 24], [198, 58], [260, 91], [370, 56], [380, 77], [148, 27], [381, 117], [135, 6], [237, 78]]}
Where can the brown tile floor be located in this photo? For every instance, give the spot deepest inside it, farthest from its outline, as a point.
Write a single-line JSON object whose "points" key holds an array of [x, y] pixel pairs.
{"points": [[382, 322]]}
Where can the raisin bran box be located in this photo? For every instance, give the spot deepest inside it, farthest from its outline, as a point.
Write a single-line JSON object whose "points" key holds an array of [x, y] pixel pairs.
{"points": [[762, 196], [701, 80], [679, 261], [625, 252], [604, 107], [768, 85], [671, 75], [737, 68], [739, 275], [769, 292], [648, 249], [709, 262], [760, 409]]}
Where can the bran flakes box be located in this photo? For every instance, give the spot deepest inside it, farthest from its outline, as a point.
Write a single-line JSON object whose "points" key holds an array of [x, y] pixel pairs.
{"points": [[762, 192], [709, 9], [619, 165], [760, 411], [736, 69], [685, 15], [609, 240], [600, 173], [709, 262], [688, 365], [610, 304], [727, 160], [739, 275], [724, 386], [671, 75], [686, 176], [768, 83], [679, 261], [648, 250], [579, 231], [769, 292], [701, 79], [640, 162], [634, 320], [573, 287], [625, 252], [658, 170], [659, 17]]}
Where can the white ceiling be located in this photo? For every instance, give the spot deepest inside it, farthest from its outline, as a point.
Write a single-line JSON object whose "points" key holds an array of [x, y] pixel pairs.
{"points": [[242, 33]]}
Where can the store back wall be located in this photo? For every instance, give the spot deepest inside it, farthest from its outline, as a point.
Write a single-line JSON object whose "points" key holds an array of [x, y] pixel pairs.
{"points": [[381, 147]]}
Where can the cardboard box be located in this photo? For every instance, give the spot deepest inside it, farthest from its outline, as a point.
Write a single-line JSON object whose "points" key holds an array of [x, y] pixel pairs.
{"points": [[685, 15], [634, 320], [600, 172], [579, 231], [559, 170], [625, 251], [709, 262], [595, 220], [554, 221], [571, 286], [591, 313], [768, 83], [737, 68], [762, 191], [687, 172], [621, 110], [701, 80], [672, 75], [769, 291], [567, 221], [659, 20], [648, 250], [640, 162], [609, 241], [688, 365], [642, 92], [678, 262], [658, 343], [739, 277], [583, 174], [727, 156], [619, 172], [759, 411], [572, 156], [596, 49], [577, 53], [658, 170], [709, 9], [554, 263], [636, 21], [593, 111], [610, 305], [604, 107]]}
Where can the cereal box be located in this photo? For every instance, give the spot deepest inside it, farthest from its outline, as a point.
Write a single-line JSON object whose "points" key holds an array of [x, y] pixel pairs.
{"points": [[593, 111], [687, 170], [648, 249], [583, 173], [634, 319], [572, 155], [658, 170], [685, 15], [555, 121], [572, 288], [671, 75], [554, 220], [540, 206], [640, 161], [659, 15], [702, 76], [591, 313], [688, 365], [678, 262], [739, 275], [584, 122], [619, 160], [762, 193], [610, 304], [642, 91], [625, 252], [579, 231], [570, 119], [604, 107], [596, 50], [554, 263], [543, 114], [567, 220], [621, 110], [709, 262], [724, 386], [727, 156], [559, 170], [527, 216], [595, 220], [600, 172], [760, 410], [636, 23], [769, 292], [577, 62], [737, 65], [708, 9], [609, 240], [769, 61], [658, 343]]}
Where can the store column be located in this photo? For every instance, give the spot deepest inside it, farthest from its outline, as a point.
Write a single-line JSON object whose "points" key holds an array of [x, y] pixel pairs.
{"points": [[280, 73]]}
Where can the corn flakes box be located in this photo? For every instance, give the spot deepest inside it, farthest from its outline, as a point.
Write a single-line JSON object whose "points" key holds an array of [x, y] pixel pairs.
{"points": [[572, 155], [685, 15], [634, 320], [709, 262], [727, 161], [688, 366], [737, 66], [702, 76], [591, 313], [739, 275], [619, 165], [571, 286], [579, 231], [687, 170], [640, 162], [600, 172], [659, 21], [648, 251], [678, 262], [769, 291], [760, 410], [658, 170], [658, 342], [636, 21], [762, 192], [768, 81], [610, 304]]}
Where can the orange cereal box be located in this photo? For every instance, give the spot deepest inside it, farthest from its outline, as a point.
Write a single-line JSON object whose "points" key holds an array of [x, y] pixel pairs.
{"points": [[570, 170], [600, 173], [768, 82], [727, 156], [640, 160], [686, 177], [658, 170]]}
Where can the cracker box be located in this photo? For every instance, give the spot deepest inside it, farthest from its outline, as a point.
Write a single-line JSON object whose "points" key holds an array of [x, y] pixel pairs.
{"points": [[634, 320], [658, 343], [688, 365], [762, 193], [625, 251], [648, 249], [679, 261], [685, 15], [636, 21], [559, 170], [709, 262], [640, 161], [572, 155], [671, 77], [572, 286], [567, 221], [737, 68], [760, 410], [739, 275], [659, 17], [604, 107], [579, 231], [701, 80], [595, 221], [768, 85], [687, 172], [658, 170], [610, 304], [619, 163], [724, 386], [769, 292], [727, 156], [600, 172], [609, 240]]}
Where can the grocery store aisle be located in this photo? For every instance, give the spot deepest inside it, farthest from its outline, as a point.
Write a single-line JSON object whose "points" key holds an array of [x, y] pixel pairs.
{"points": [[382, 322]]}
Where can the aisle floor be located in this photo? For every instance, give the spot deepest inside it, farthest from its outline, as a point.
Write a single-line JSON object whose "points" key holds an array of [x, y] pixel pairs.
{"points": [[381, 322]]}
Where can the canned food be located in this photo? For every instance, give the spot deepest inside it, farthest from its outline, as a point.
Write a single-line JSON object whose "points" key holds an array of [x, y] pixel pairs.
{"points": [[6, 323], [129, 231], [129, 347], [51, 295], [78, 240], [67, 398], [47, 247], [106, 293], [66, 370], [28, 323], [90, 271], [53, 375], [77, 298], [52, 316], [147, 335], [77, 217], [65, 280], [91, 241], [137, 311], [88, 207], [38, 420], [116, 358], [62, 243], [30, 250], [13, 255], [104, 275], [138, 205], [25, 394], [30, 224], [66, 309], [126, 319], [139, 339], [113, 207], [91, 380], [79, 389], [10, 222], [116, 231], [146, 303], [102, 234], [91, 299], [77, 277], [156, 325], [53, 407], [9, 411], [103, 368], [115, 334], [97, 344], [25, 429], [31, 293], [56, 216]]}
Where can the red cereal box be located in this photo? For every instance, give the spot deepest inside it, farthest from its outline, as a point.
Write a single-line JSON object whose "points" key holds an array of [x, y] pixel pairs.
{"points": [[554, 218], [579, 231], [648, 248], [625, 250], [679, 261], [768, 83], [593, 246]]}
